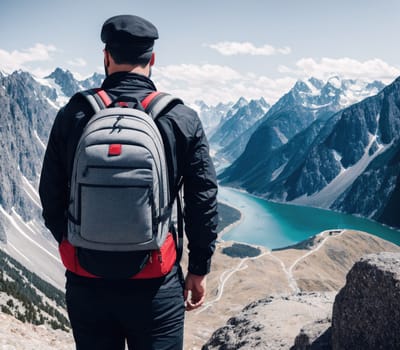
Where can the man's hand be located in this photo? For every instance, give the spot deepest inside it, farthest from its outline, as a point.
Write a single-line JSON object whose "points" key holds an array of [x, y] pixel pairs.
{"points": [[195, 291]]}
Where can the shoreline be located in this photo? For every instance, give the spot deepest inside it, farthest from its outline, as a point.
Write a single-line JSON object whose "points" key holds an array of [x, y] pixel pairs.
{"points": [[235, 223], [229, 227], [277, 211], [240, 190]]}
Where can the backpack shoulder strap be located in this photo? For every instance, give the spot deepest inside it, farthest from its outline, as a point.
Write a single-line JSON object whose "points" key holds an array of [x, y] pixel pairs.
{"points": [[97, 98], [157, 102], [154, 105]]}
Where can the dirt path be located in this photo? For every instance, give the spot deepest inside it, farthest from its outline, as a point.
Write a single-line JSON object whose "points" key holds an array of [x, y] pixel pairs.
{"points": [[292, 280], [227, 274]]}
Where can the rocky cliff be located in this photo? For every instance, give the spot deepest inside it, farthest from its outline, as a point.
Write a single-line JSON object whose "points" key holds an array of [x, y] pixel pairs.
{"points": [[366, 312]]}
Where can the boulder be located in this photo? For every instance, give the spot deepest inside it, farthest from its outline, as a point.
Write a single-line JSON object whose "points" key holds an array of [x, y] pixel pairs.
{"points": [[366, 312]]}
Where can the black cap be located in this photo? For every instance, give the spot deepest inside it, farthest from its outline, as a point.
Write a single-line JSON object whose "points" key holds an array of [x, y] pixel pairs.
{"points": [[129, 33], [128, 29]]}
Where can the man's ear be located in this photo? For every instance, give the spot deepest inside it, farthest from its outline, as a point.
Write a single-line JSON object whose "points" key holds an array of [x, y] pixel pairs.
{"points": [[106, 58], [152, 59]]}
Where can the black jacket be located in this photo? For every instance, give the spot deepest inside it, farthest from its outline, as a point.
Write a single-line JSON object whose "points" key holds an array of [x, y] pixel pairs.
{"points": [[187, 155]]}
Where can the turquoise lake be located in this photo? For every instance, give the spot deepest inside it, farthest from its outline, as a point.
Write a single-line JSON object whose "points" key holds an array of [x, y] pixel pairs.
{"points": [[276, 225]]}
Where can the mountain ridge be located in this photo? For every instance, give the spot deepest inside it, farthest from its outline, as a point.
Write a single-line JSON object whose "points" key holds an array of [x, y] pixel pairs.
{"points": [[304, 170], [29, 108]]}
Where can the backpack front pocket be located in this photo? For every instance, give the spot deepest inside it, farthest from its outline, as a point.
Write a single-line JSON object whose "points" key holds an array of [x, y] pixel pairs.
{"points": [[114, 209]]}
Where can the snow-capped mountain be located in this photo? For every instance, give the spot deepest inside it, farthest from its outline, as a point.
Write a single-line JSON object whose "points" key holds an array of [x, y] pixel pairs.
{"points": [[29, 106], [211, 116], [94, 81], [348, 162], [232, 134], [61, 85], [343, 92], [65, 80], [306, 102]]}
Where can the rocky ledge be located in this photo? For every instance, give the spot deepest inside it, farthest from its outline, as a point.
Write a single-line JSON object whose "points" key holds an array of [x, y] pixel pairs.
{"points": [[365, 315]]}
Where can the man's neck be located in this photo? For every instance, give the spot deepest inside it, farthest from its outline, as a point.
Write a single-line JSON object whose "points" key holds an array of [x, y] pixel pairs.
{"points": [[138, 69]]}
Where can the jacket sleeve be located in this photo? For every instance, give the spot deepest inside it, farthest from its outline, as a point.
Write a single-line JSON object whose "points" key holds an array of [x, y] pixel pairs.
{"points": [[200, 197], [53, 187]]}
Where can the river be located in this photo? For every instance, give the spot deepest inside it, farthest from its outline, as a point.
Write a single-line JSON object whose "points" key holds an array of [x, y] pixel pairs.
{"points": [[275, 225]]}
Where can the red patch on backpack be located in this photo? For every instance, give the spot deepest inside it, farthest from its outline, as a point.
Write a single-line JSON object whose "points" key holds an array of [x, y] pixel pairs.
{"points": [[114, 149]]}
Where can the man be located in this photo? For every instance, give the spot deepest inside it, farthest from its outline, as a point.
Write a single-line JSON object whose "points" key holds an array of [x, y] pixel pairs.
{"points": [[148, 313]]}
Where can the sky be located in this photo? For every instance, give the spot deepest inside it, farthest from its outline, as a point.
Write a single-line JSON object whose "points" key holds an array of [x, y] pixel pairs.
{"points": [[213, 50]]}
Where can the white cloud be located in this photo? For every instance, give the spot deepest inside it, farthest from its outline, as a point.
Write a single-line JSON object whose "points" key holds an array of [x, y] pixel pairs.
{"points": [[218, 83], [14, 60], [199, 73], [374, 69], [231, 48], [77, 62], [215, 83]]}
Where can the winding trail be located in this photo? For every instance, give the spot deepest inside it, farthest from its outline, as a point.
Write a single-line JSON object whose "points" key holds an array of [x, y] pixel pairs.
{"points": [[292, 281], [224, 278], [225, 275]]}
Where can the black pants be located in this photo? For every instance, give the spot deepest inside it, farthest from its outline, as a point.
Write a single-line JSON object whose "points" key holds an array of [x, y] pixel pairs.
{"points": [[148, 315]]}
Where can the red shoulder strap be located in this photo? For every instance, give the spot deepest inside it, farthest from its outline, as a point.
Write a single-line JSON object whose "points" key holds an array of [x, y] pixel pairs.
{"points": [[154, 103], [104, 97], [107, 100], [149, 98]]}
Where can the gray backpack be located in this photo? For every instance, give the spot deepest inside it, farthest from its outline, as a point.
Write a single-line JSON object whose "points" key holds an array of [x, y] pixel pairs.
{"points": [[119, 196]]}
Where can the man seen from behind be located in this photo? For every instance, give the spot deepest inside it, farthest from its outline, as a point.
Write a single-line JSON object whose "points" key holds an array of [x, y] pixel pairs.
{"points": [[145, 310]]}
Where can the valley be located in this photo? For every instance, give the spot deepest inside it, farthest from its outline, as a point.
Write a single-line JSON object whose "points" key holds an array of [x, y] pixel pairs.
{"points": [[330, 144]]}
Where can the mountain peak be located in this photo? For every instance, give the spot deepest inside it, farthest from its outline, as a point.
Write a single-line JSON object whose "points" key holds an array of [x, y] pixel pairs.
{"points": [[258, 104], [94, 81], [335, 81], [316, 82], [3, 73], [59, 72], [65, 80], [301, 86], [314, 93], [240, 103], [310, 86], [264, 103]]}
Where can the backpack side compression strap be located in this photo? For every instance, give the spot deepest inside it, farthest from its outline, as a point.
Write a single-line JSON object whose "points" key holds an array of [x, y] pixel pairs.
{"points": [[154, 104], [180, 228]]}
